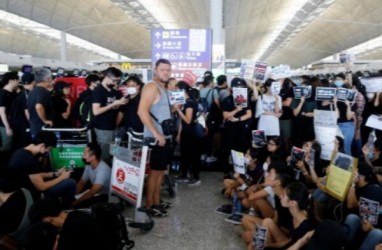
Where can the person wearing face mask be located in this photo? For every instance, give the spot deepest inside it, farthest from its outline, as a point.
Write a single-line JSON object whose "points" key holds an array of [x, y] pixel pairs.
{"points": [[106, 103], [346, 119], [130, 110], [97, 173], [373, 157]]}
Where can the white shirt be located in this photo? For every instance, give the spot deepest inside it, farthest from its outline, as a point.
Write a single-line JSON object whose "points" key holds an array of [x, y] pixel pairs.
{"points": [[269, 123]]}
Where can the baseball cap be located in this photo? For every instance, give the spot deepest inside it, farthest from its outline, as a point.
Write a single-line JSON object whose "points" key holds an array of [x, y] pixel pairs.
{"points": [[61, 85], [238, 82], [27, 78]]}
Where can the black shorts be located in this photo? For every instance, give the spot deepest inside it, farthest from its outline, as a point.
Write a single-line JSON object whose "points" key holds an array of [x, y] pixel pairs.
{"points": [[160, 157]]}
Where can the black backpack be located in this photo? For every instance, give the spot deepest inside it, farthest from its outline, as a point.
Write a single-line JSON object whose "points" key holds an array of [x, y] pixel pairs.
{"points": [[215, 116], [112, 222]]}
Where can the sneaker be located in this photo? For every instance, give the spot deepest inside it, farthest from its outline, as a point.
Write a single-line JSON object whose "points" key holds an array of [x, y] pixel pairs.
{"points": [[163, 205], [194, 182], [203, 157], [156, 211], [211, 159], [181, 179]]}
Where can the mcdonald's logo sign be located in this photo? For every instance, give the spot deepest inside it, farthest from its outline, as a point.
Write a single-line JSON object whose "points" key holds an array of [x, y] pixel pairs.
{"points": [[126, 66]]}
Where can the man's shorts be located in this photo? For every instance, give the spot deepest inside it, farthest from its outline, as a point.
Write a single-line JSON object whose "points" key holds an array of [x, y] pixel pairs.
{"points": [[160, 157]]}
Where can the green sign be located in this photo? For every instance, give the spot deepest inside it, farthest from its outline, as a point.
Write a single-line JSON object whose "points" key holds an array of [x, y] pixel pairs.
{"points": [[69, 157]]}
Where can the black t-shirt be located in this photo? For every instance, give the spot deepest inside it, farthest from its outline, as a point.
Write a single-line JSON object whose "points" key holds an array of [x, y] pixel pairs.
{"points": [[328, 107], [286, 93], [42, 96], [12, 212], [25, 163], [106, 120], [300, 231], [130, 115], [60, 106], [189, 128], [285, 219], [6, 100], [228, 105], [17, 116], [342, 109]]}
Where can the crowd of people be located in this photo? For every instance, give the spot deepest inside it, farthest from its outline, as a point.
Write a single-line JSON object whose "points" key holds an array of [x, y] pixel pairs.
{"points": [[289, 197]]}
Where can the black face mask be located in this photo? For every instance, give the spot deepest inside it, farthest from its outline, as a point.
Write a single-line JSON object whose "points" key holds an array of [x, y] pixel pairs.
{"points": [[85, 161], [110, 86]]}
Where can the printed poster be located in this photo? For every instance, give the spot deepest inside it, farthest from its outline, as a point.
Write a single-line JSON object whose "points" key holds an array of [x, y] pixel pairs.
{"points": [[374, 121], [260, 71], [369, 210], [325, 94], [176, 97], [240, 97], [259, 237], [238, 161], [342, 167], [247, 69], [281, 71], [258, 138], [304, 91], [276, 88], [325, 128], [372, 84], [346, 94], [297, 154]]}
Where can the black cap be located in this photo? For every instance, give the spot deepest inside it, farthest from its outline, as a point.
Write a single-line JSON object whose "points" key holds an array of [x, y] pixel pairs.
{"points": [[238, 83], [27, 78], [61, 85]]}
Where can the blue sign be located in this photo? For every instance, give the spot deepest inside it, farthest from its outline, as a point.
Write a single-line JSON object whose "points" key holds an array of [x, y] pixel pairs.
{"points": [[185, 49]]}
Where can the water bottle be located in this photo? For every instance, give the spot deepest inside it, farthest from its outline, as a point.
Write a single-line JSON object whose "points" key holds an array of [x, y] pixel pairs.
{"points": [[236, 206], [251, 211]]}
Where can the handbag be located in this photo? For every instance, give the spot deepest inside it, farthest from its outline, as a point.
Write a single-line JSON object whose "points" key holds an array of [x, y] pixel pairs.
{"points": [[168, 126]]}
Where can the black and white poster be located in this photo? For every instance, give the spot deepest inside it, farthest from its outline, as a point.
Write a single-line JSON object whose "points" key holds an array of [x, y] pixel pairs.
{"points": [[325, 93], [259, 237], [368, 210], [305, 91]]}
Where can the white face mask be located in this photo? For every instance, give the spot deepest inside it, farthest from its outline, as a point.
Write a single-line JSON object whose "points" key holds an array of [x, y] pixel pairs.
{"points": [[131, 90], [265, 166], [370, 96], [246, 161]]}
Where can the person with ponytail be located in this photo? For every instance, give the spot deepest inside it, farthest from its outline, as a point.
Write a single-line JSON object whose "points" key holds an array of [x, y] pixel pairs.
{"points": [[296, 199]]}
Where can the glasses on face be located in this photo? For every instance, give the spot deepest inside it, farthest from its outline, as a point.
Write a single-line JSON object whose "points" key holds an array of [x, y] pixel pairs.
{"points": [[115, 80], [271, 144]]}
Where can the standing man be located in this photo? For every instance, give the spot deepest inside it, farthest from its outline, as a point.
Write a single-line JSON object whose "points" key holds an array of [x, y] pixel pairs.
{"points": [[154, 103], [82, 107], [40, 105], [105, 106], [20, 114], [7, 97]]}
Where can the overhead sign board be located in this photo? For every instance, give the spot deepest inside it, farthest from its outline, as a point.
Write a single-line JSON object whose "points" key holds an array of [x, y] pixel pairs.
{"points": [[186, 49]]}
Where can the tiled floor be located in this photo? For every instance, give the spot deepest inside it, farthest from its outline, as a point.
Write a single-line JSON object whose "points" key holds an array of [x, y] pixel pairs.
{"points": [[192, 222]]}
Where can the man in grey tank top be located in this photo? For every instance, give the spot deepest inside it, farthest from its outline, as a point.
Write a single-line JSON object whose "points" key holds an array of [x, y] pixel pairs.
{"points": [[154, 103]]}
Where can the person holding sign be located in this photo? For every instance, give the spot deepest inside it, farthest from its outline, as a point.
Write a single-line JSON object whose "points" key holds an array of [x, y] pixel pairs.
{"points": [[236, 134], [347, 116], [187, 138], [364, 186], [269, 109], [303, 129]]}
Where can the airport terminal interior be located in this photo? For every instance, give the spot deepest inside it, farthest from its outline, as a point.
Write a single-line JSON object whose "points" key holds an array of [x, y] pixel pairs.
{"points": [[190, 124]]}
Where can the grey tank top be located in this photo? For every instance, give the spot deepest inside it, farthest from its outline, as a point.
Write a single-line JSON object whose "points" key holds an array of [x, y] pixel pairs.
{"points": [[160, 110]]}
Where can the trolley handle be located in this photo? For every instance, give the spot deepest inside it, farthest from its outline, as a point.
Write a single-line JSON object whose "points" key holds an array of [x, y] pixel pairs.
{"points": [[48, 128], [150, 141]]}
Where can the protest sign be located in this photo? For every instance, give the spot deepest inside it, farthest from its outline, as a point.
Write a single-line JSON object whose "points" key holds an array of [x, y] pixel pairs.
{"points": [[325, 128], [325, 93]]}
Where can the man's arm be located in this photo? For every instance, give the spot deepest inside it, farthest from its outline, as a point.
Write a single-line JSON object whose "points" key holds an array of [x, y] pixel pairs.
{"points": [[80, 186], [41, 185], [98, 110], [41, 113], [92, 191], [4, 119], [148, 96]]}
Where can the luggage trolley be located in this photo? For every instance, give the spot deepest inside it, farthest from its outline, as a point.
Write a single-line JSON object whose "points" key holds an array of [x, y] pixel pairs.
{"points": [[71, 143], [127, 180]]}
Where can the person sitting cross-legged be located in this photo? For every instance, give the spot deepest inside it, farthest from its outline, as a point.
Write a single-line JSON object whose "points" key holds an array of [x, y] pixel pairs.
{"points": [[97, 173]]}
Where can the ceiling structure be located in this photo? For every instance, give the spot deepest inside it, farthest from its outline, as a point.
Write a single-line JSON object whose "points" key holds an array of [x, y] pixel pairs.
{"points": [[293, 32]]}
